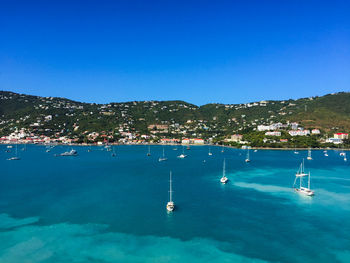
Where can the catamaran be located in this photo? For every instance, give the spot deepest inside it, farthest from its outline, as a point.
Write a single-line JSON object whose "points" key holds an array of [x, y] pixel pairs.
{"points": [[183, 155], [247, 160], [224, 179], [170, 206], [161, 159], [299, 176], [309, 154], [209, 153]]}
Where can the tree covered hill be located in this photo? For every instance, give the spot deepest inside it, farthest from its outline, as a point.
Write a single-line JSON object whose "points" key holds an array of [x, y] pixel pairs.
{"points": [[49, 115]]}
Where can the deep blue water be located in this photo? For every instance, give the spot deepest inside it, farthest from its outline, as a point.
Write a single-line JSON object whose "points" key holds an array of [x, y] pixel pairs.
{"points": [[98, 208]]}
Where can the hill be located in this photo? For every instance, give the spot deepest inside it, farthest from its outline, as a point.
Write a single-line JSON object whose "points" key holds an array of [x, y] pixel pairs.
{"points": [[52, 116]]}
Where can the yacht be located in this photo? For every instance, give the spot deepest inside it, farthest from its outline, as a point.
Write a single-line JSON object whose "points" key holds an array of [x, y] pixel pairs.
{"points": [[224, 179], [70, 153], [299, 176], [170, 206]]}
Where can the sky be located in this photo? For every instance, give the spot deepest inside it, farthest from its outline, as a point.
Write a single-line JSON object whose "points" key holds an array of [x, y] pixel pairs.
{"points": [[198, 51]]}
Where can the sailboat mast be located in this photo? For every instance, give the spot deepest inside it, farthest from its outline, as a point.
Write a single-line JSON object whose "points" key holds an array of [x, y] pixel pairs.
{"points": [[223, 169], [170, 189]]}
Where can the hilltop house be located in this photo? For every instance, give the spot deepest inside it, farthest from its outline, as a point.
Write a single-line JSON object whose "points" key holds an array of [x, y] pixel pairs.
{"points": [[341, 135]]}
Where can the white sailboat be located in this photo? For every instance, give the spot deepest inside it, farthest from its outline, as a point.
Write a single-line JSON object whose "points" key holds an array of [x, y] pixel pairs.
{"points": [[222, 149], [309, 154], [345, 159], [161, 159], [14, 158], [326, 153], [183, 155], [295, 150], [299, 176], [224, 179], [209, 153], [170, 206], [247, 160]]}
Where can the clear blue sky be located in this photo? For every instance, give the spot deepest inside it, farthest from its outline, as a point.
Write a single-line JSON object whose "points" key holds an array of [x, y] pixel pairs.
{"points": [[198, 51]]}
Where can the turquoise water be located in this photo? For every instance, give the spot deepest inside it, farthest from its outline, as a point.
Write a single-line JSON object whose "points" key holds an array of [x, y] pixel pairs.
{"points": [[96, 208]]}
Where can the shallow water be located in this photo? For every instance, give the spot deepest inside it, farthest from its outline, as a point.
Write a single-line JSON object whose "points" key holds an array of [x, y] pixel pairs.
{"points": [[98, 208]]}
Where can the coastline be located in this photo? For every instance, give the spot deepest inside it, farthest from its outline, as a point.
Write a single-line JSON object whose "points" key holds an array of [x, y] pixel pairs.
{"points": [[171, 144]]}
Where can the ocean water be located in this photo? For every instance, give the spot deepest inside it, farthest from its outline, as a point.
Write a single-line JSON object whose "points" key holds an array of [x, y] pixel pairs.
{"points": [[98, 208]]}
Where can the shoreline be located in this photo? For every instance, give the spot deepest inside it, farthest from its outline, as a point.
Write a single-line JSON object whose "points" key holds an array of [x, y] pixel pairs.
{"points": [[169, 144]]}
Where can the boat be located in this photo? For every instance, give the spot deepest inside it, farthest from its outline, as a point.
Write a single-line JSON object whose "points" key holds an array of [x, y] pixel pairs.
{"points": [[255, 151], [222, 149], [70, 153], [345, 159], [247, 160], [309, 154], [14, 158], [149, 151], [170, 206], [113, 152], [9, 146], [188, 147], [163, 158], [295, 151], [183, 155], [224, 179], [325, 153], [210, 153], [299, 176]]}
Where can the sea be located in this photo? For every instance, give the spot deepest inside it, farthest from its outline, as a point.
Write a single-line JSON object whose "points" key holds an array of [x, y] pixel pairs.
{"points": [[94, 207]]}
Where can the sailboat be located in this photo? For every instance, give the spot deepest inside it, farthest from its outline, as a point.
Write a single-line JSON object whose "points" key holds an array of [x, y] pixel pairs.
{"points": [[24, 147], [162, 158], [170, 206], [295, 150], [224, 179], [183, 155], [222, 149], [309, 154], [209, 153], [14, 158], [299, 175], [345, 159], [149, 151], [113, 152], [247, 160], [188, 147], [325, 153]]}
